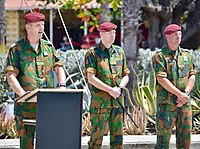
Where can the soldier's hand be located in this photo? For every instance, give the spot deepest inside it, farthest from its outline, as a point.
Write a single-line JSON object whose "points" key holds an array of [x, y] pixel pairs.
{"points": [[22, 93], [115, 92], [179, 102], [62, 87], [182, 99]]}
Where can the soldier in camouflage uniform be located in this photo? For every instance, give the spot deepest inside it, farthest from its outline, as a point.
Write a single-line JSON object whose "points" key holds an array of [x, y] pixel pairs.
{"points": [[107, 74], [175, 75], [30, 65]]}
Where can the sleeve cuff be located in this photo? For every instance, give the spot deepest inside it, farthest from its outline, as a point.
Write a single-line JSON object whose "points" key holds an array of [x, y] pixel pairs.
{"points": [[162, 74], [192, 72], [126, 71], [91, 70], [58, 64], [13, 69]]}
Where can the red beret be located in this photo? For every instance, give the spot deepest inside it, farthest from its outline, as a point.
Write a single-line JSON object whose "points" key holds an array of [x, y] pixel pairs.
{"points": [[106, 27], [34, 17], [172, 28]]}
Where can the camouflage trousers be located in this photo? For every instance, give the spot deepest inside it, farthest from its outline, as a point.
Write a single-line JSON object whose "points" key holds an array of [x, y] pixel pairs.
{"points": [[99, 119], [25, 132], [169, 116]]}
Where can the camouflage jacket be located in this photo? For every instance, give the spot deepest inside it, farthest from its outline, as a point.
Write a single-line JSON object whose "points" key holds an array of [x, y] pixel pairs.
{"points": [[176, 67], [33, 70], [109, 65]]}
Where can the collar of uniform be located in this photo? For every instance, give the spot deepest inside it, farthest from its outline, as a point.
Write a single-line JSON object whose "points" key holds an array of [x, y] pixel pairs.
{"points": [[103, 47], [175, 55], [180, 50], [112, 49], [168, 50], [26, 41]]}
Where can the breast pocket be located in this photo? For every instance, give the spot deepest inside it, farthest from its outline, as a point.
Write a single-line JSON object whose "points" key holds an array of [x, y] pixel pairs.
{"points": [[116, 65], [27, 65], [40, 69], [184, 66], [48, 61], [172, 69], [113, 66]]}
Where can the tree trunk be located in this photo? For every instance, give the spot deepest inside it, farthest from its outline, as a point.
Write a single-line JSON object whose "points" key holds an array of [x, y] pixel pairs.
{"points": [[131, 51], [154, 31], [131, 16], [193, 21], [105, 14], [2, 21]]}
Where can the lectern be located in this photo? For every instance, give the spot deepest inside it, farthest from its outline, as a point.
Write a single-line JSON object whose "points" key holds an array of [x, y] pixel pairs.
{"points": [[59, 117]]}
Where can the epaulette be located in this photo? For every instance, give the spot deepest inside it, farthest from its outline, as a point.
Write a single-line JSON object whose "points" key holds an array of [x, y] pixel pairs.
{"points": [[186, 50], [46, 42], [116, 46], [91, 48], [159, 50], [49, 43], [14, 45], [117, 49]]}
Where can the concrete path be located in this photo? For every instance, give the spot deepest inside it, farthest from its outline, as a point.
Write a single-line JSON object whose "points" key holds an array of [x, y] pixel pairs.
{"points": [[130, 142]]}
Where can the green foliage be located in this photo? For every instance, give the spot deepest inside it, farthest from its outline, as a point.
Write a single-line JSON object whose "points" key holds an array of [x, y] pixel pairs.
{"points": [[68, 4], [139, 117], [3, 49], [144, 60], [144, 97], [7, 127], [86, 126], [195, 95], [196, 59], [196, 89], [4, 86], [144, 94], [115, 4], [69, 60], [88, 14]]}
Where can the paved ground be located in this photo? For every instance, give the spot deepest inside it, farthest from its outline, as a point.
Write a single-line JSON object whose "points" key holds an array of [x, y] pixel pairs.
{"points": [[130, 142]]}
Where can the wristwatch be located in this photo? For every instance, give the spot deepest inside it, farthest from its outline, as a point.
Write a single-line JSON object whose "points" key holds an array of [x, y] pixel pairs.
{"points": [[62, 84], [187, 93], [121, 88]]}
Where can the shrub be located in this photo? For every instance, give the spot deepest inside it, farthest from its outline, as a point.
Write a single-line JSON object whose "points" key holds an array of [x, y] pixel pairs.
{"points": [[7, 127]]}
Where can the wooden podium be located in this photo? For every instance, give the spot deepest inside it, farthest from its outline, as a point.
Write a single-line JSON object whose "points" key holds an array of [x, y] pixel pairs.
{"points": [[58, 118]]}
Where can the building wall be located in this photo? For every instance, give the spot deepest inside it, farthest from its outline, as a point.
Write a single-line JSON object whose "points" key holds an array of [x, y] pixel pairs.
{"points": [[15, 26], [12, 21]]}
